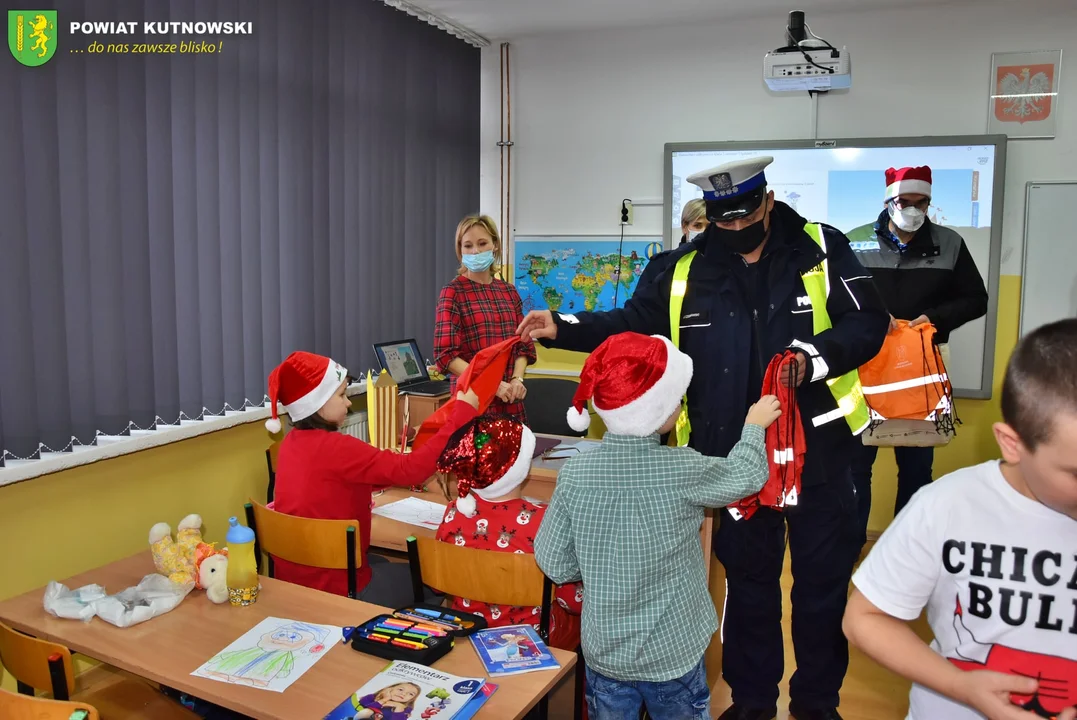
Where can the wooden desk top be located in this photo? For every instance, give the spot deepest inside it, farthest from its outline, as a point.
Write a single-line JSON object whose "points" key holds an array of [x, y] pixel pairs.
{"points": [[168, 648]]}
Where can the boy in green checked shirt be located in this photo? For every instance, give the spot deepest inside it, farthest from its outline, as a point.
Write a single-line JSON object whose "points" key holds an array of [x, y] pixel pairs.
{"points": [[625, 519]]}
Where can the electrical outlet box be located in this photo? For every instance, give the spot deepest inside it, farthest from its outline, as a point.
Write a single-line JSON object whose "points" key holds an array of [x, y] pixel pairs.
{"points": [[626, 212]]}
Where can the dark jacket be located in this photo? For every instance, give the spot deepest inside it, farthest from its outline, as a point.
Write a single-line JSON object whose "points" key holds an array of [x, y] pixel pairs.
{"points": [[934, 275], [656, 265], [716, 328]]}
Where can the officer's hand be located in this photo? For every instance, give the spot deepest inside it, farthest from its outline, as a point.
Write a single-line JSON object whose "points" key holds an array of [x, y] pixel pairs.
{"points": [[893, 323], [764, 412], [919, 321], [538, 324], [1070, 714], [802, 370], [989, 692]]}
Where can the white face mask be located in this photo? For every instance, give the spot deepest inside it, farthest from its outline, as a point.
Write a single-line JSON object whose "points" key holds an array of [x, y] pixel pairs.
{"points": [[692, 235], [909, 219]]}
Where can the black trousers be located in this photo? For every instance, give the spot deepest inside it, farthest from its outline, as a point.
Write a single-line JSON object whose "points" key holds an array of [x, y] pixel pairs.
{"points": [[914, 472], [822, 531]]}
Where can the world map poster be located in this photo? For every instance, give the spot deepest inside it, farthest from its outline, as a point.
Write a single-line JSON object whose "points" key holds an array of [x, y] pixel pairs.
{"points": [[575, 274]]}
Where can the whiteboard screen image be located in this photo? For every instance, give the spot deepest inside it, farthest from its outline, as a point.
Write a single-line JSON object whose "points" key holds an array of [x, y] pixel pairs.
{"points": [[841, 183]]}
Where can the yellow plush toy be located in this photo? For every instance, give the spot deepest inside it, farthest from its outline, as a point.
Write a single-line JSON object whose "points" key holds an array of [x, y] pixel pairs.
{"points": [[183, 560]]}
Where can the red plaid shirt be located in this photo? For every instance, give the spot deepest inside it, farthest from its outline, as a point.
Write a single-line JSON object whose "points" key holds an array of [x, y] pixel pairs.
{"points": [[472, 316]]}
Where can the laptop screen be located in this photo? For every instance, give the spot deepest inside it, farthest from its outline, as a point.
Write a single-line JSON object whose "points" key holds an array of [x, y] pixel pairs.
{"points": [[403, 361]]}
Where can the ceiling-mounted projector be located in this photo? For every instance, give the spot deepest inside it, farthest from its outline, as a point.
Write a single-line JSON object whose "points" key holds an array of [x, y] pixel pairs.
{"points": [[807, 63]]}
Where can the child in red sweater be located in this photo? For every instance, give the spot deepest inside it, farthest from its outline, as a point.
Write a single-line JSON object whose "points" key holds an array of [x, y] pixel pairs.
{"points": [[491, 457], [322, 473]]}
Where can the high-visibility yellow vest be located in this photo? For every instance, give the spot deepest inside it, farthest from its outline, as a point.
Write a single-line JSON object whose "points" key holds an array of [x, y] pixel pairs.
{"points": [[846, 389]]}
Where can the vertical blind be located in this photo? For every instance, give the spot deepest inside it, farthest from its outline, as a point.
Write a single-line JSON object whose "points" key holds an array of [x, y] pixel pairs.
{"points": [[172, 226]]}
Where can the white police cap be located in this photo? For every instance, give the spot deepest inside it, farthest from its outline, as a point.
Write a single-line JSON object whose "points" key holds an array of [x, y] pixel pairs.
{"points": [[733, 190]]}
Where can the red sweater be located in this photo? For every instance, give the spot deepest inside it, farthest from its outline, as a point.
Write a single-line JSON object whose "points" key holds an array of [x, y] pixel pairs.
{"points": [[330, 476]]}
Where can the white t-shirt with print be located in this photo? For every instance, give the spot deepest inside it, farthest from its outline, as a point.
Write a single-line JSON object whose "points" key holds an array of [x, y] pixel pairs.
{"points": [[997, 572]]}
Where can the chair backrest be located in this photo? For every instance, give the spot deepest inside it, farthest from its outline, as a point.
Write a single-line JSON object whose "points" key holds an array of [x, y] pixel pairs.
{"points": [[26, 707], [498, 578], [327, 544], [546, 403], [38, 664], [271, 463]]}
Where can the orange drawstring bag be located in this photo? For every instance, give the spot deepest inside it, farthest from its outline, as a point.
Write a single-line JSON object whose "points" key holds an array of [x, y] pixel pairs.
{"points": [[908, 391]]}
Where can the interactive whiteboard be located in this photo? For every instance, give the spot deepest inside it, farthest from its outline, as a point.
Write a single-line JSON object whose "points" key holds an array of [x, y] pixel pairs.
{"points": [[841, 182]]}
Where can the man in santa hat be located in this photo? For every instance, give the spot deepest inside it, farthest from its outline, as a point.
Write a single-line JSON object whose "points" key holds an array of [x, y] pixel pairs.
{"points": [[925, 274], [761, 280]]}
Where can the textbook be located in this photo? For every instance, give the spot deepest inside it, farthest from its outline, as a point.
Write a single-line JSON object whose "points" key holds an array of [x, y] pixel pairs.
{"points": [[512, 649], [407, 691]]}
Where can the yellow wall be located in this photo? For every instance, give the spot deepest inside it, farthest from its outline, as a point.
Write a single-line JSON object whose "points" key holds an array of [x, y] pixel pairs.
{"points": [[973, 444], [58, 525]]}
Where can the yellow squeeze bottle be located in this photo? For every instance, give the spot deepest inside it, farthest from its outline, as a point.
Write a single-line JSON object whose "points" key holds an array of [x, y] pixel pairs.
{"points": [[242, 575]]}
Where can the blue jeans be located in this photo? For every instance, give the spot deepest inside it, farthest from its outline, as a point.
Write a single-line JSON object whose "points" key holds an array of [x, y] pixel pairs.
{"points": [[686, 698]]}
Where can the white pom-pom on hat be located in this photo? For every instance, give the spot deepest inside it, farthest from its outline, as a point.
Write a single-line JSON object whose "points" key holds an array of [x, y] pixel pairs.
{"points": [[578, 420], [466, 505], [273, 425]]}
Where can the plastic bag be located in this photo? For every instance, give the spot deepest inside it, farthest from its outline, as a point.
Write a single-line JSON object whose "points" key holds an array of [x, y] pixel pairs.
{"points": [[154, 595], [72, 604]]}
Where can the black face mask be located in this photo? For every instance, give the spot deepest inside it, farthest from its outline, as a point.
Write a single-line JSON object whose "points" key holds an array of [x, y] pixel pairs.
{"points": [[743, 241]]}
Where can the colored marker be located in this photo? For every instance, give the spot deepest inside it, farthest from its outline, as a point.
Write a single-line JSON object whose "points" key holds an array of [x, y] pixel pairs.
{"points": [[409, 643], [376, 637], [396, 623], [421, 618], [413, 636], [346, 634], [431, 613], [391, 631]]}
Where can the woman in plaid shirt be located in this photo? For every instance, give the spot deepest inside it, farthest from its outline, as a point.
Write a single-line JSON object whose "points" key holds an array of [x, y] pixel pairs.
{"points": [[477, 310]]}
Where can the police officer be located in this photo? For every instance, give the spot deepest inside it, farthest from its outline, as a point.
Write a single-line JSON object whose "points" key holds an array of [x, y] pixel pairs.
{"points": [[761, 280]]}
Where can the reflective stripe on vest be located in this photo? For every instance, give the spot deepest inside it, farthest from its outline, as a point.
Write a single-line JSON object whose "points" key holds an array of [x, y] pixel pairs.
{"points": [[846, 389], [676, 301]]}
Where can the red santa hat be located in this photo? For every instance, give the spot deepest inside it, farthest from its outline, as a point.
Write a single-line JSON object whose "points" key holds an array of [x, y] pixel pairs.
{"points": [[908, 180], [490, 457], [635, 383], [304, 382]]}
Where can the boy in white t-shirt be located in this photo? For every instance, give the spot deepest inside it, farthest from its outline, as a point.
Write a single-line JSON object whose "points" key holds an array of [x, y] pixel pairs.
{"points": [[991, 552]]}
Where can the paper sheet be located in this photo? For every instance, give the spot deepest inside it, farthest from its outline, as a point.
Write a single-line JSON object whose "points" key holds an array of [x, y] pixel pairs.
{"points": [[413, 511], [272, 655], [571, 449]]}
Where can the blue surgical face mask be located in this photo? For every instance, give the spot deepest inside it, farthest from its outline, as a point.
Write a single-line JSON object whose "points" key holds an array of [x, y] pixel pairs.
{"points": [[478, 262]]}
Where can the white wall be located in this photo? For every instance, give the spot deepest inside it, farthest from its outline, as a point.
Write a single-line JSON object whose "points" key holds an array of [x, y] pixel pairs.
{"points": [[592, 111]]}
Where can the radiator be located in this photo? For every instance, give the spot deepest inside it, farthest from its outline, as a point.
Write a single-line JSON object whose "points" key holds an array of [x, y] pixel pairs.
{"points": [[356, 426]]}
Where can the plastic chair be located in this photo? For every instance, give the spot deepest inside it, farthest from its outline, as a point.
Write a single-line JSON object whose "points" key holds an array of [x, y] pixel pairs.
{"points": [[327, 544], [546, 403], [26, 707], [490, 577], [46, 666]]}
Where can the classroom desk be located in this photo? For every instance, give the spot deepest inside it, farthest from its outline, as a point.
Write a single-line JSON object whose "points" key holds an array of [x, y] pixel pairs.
{"points": [[392, 535], [168, 648]]}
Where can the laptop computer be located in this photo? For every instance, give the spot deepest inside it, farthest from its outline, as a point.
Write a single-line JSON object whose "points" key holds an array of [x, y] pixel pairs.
{"points": [[407, 367]]}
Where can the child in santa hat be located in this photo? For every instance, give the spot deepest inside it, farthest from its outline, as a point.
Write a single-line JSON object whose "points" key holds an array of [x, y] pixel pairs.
{"points": [[490, 457], [625, 519], [322, 473]]}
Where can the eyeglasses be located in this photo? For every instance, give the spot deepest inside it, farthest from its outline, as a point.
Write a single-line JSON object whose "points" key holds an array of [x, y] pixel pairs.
{"points": [[902, 203]]}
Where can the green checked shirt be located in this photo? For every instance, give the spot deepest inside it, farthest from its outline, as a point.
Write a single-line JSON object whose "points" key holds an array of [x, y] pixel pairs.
{"points": [[625, 519]]}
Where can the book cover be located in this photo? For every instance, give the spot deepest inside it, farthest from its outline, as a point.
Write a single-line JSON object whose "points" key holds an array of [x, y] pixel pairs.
{"points": [[407, 691], [513, 649]]}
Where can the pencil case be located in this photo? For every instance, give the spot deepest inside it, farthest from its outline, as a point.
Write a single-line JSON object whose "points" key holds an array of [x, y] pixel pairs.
{"points": [[402, 635]]}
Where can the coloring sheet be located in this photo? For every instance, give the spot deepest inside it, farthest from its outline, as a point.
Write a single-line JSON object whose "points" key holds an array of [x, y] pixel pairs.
{"points": [[271, 655], [414, 511]]}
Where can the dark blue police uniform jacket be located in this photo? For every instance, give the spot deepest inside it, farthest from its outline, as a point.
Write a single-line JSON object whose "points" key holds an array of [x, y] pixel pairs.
{"points": [[716, 331]]}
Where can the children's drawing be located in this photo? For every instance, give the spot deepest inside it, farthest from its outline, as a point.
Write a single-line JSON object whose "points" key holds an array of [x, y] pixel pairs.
{"points": [[271, 655]]}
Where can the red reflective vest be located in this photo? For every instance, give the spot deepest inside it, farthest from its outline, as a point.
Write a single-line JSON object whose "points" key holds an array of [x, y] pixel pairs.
{"points": [[785, 447]]}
